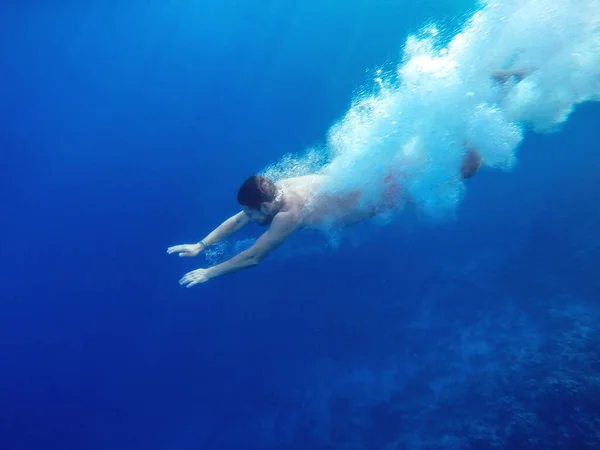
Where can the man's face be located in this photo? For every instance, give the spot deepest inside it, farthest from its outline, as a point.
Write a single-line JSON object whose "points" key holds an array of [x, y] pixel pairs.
{"points": [[260, 216]]}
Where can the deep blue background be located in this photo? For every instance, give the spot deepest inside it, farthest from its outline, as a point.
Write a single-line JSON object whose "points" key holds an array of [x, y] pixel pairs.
{"points": [[127, 128]]}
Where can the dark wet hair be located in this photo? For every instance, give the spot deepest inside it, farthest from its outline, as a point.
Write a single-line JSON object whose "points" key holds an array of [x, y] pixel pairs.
{"points": [[256, 190]]}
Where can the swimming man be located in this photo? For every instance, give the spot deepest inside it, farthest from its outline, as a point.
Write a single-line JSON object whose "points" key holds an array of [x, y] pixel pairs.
{"points": [[295, 203], [289, 205]]}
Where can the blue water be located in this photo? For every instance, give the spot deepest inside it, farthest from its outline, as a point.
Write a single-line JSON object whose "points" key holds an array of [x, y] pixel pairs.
{"points": [[128, 128]]}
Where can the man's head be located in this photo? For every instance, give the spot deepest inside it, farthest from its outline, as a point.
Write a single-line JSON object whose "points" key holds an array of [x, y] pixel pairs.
{"points": [[257, 196]]}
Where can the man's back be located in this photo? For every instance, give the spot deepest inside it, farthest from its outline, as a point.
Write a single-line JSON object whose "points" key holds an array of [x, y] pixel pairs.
{"points": [[316, 208]]}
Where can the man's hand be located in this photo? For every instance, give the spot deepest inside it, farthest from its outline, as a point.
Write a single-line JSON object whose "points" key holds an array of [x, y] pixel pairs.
{"points": [[186, 249], [195, 277]]}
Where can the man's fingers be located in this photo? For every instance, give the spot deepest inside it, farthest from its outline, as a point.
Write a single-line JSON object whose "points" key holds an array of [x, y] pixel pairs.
{"points": [[183, 250], [188, 282], [191, 279], [186, 278]]}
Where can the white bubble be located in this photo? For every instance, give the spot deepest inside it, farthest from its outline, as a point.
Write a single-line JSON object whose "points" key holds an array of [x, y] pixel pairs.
{"points": [[445, 95]]}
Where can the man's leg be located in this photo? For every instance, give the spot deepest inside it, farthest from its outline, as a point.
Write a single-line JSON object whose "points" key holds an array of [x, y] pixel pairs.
{"points": [[503, 76], [471, 164]]}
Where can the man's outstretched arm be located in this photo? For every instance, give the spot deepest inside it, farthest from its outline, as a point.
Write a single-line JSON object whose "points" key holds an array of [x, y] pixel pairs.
{"points": [[230, 226], [282, 227]]}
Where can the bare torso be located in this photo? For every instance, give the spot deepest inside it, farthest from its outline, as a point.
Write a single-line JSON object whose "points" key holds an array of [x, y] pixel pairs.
{"points": [[316, 208]]}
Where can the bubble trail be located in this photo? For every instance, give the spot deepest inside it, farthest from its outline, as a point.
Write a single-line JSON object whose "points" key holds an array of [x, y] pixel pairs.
{"points": [[514, 66]]}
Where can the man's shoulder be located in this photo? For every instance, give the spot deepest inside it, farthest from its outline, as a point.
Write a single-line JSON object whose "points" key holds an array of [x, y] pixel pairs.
{"points": [[287, 218]]}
